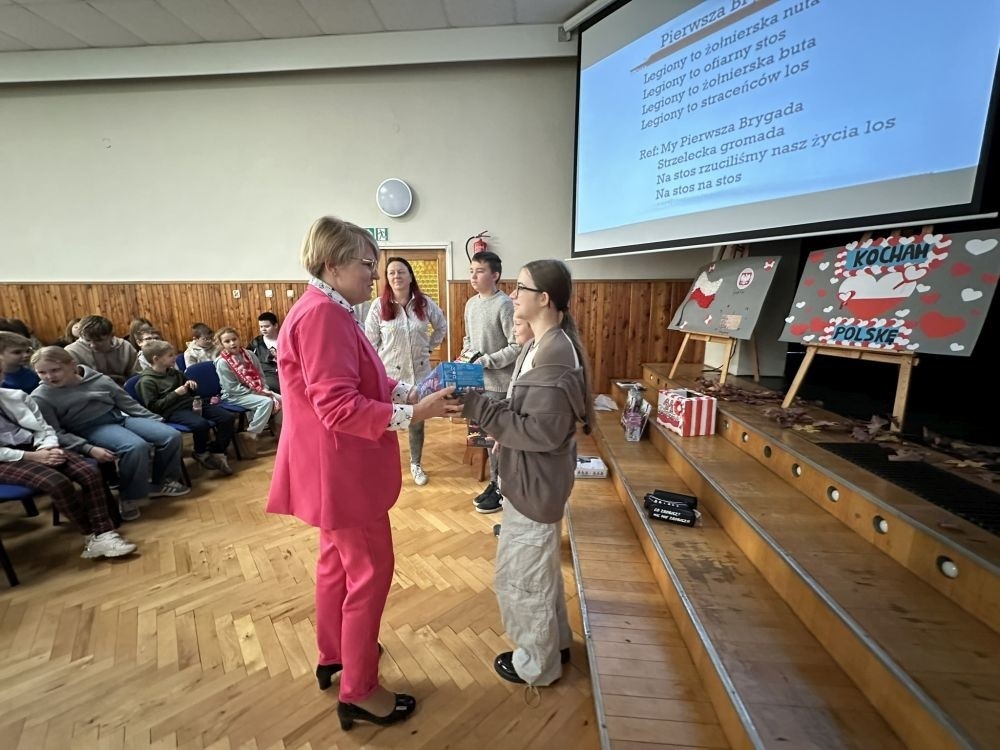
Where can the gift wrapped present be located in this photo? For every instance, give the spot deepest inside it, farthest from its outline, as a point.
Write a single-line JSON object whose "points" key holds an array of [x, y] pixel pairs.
{"points": [[688, 413]]}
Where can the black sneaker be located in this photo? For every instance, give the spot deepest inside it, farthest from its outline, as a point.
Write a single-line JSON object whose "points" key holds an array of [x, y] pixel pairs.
{"points": [[491, 504], [490, 489]]}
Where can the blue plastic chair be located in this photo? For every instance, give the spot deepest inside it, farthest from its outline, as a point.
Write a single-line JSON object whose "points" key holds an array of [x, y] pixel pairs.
{"points": [[180, 363], [133, 391], [209, 386], [8, 566], [23, 495]]}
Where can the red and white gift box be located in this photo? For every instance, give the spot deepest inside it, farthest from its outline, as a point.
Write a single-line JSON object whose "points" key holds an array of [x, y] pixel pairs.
{"points": [[688, 413]]}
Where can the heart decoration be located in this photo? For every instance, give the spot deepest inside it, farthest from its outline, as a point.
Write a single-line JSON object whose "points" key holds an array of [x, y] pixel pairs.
{"points": [[913, 347], [931, 299], [826, 264], [799, 328], [978, 247], [991, 278], [923, 288], [834, 280], [938, 326], [810, 337], [809, 282], [956, 347], [902, 313], [790, 318], [800, 305], [960, 269], [828, 309], [970, 295]]}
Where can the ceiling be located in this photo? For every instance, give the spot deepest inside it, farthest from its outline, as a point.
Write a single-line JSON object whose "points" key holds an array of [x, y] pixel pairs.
{"points": [[81, 24]]}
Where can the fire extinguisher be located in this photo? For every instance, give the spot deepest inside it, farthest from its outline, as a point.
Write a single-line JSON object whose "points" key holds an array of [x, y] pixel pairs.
{"points": [[478, 244]]}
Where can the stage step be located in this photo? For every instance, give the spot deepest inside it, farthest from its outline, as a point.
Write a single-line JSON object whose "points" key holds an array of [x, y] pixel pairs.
{"points": [[770, 680], [957, 558], [646, 688]]}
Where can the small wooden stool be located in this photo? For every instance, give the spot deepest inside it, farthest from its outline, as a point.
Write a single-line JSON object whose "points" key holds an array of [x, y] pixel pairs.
{"points": [[478, 458]]}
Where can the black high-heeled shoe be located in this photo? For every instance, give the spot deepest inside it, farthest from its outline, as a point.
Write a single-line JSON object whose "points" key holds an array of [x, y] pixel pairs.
{"points": [[348, 713], [326, 672]]}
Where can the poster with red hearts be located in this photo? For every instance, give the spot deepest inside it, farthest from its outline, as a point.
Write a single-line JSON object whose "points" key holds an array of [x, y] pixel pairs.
{"points": [[726, 297], [925, 294]]}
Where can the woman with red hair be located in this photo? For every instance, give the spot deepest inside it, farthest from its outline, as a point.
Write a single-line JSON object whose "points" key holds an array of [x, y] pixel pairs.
{"points": [[405, 326]]}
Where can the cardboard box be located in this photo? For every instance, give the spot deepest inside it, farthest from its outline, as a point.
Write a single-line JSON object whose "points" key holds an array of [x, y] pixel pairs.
{"points": [[464, 376], [591, 467], [688, 413]]}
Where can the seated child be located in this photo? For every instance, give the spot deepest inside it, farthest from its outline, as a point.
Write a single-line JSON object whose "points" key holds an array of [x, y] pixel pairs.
{"points": [[31, 457], [135, 325], [18, 326], [99, 349], [15, 351], [165, 391], [202, 348], [265, 347], [94, 416], [242, 381], [142, 335]]}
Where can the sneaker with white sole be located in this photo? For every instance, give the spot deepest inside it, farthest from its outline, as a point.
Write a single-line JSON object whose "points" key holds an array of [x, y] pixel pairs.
{"points": [[108, 544], [204, 460], [171, 488], [128, 510], [419, 477], [222, 464]]}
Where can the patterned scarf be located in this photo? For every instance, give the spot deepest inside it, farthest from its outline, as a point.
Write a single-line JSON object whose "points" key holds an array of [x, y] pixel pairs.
{"points": [[243, 367], [335, 296]]}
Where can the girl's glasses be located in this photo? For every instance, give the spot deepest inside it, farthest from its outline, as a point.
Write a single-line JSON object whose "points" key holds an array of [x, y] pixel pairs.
{"points": [[522, 288]]}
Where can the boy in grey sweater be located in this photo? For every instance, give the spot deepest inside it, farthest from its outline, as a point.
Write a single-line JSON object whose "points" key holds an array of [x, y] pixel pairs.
{"points": [[489, 331]]}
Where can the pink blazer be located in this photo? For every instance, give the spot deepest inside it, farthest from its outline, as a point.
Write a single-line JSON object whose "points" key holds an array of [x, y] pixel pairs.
{"points": [[337, 465]]}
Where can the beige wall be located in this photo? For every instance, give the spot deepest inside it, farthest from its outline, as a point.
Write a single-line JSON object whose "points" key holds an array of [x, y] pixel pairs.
{"points": [[218, 178]]}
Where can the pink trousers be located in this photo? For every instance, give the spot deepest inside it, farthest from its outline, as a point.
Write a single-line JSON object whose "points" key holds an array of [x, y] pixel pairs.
{"points": [[353, 576]]}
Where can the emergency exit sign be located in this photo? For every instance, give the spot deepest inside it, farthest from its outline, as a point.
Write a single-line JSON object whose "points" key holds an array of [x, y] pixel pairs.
{"points": [[381, 234]]}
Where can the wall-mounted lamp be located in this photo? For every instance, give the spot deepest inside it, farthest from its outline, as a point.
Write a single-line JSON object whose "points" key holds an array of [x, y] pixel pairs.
{"points": [[394, 197]]}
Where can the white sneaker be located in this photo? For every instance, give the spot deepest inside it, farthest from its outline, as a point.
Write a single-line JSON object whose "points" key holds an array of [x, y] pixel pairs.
{"points": [[170, 488], [419, 478], [108, 544], [128, 510]]}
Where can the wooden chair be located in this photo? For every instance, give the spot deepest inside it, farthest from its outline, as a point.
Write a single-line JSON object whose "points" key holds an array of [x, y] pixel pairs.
{"points": [[479, 459]]}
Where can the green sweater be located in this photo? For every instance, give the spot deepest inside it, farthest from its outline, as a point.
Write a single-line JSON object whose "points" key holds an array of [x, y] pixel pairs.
{"points": [[157, 390]]}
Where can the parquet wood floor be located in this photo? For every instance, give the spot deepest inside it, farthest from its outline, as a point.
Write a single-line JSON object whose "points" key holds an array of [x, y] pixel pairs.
{"points": [[204, 639]]}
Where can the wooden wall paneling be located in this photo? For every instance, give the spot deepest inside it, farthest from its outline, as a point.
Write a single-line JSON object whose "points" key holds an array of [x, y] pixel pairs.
{"points": [[622, 323]]}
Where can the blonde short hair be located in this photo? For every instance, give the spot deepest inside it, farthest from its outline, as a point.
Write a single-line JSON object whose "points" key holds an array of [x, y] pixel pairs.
{"points": [[52, 354], [334, 241], [156, 348]]}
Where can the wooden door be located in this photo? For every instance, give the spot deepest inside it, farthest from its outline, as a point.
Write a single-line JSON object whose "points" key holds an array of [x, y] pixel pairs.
{"points": [[429, 268]]}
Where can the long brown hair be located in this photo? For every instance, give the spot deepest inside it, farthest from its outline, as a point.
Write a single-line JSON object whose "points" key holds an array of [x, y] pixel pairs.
{"points": [[388, 307], [554, 278]]}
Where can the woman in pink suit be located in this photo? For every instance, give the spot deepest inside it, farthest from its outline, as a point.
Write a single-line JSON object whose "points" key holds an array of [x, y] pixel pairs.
{"points": [[338, 465]]}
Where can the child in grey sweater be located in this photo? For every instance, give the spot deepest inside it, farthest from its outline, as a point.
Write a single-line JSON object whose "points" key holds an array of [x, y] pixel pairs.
{"points": [[489, 331], [95, 417]]}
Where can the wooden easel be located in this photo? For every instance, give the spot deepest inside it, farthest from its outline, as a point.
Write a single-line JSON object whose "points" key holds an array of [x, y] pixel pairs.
{"points": [[906, 361], [729, 342]]}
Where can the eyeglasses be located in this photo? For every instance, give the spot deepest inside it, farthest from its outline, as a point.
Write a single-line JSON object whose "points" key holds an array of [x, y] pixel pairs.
{"points": [[522, 288], [371, 264]]}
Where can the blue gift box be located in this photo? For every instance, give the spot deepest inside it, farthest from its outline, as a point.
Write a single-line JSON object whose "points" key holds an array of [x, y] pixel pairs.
{"points": [[465, 376]]}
